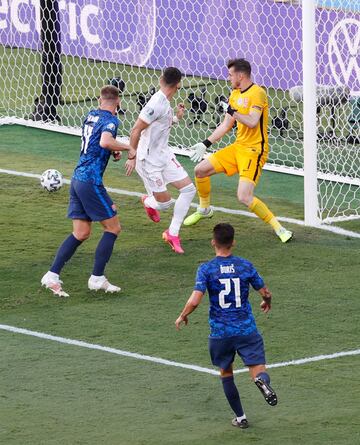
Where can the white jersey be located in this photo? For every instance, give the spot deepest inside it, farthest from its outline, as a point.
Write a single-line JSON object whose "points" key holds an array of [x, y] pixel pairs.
{"points": [[154, 140]]}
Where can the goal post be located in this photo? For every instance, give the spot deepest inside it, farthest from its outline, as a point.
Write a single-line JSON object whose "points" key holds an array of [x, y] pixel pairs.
{"points": [[310, 131], [56, 55]]}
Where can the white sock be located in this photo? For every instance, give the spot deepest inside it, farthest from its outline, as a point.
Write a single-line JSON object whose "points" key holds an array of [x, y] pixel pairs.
{"points": [[182, 205], [239, 419], [97, 278], [53, 275], [151, 202], [203, 211]]}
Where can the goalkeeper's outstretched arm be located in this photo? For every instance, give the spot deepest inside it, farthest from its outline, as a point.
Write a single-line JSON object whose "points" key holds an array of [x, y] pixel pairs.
{"points": [[200, 148], [220, 131]]}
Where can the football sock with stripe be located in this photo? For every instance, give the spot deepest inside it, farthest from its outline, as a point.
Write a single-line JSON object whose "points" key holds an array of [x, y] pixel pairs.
{"points": [[203, 186], [232, 395], [103, 253], [263, 212], [65, 252]]}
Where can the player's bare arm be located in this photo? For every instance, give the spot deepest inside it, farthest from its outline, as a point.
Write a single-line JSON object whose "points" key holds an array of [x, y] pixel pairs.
{"points": [[135, 134], [266, 296], [110, 143], [192, 303], [200, 148], [225, 126], [250, 120]]}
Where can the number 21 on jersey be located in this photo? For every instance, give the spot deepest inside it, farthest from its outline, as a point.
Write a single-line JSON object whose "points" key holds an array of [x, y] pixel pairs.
{"points": [[230, 283]]}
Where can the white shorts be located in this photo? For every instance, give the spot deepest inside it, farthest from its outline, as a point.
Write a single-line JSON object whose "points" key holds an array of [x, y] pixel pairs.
{"points": [[156, 178]]}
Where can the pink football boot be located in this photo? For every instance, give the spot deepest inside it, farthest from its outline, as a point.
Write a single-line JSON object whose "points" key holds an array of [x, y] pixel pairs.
{"points": [[173, 241], [153, 214]]}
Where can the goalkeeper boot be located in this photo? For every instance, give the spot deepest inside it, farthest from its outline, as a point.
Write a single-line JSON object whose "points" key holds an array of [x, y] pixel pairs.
{"points": [[266, 390], [195, 217], [101, 283], [52, 281], [153, 214], [284, 234], [173, 241]]}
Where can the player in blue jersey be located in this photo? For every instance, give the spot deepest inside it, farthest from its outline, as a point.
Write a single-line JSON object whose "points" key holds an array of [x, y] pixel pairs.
{"points": [[227, 279], [89, 200]]}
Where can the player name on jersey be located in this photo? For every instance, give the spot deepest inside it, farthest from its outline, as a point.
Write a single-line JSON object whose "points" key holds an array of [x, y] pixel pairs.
{"points": [[227, 269]]}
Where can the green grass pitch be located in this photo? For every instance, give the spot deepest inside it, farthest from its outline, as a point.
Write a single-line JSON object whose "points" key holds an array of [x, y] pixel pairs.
{"points": [[60, 394]]}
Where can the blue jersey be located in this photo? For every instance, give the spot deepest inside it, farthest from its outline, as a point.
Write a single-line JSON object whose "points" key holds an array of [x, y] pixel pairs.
{"points": [[93, 158], [227, 281]]}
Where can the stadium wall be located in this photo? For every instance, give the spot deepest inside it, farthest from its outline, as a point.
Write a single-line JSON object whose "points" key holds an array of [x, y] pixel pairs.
{"points": [[194, 35]]}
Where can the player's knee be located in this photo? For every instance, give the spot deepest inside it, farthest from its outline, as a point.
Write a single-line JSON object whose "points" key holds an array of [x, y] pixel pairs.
{"points": [[82, 235], [114, 228], [245, 198], [200, 172], [165, 205], [189, 189], [226, 372]]}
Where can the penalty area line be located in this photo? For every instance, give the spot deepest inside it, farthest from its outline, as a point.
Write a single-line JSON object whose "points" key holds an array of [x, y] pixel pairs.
{"points": [[333, 229], [166, 362]]}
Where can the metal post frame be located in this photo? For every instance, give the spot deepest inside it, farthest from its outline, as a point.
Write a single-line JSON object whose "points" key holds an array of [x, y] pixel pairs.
{"points": [[310, 131]]}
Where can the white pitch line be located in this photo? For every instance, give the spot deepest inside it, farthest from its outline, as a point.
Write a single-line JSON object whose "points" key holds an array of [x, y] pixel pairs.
{"points": [[302, 361], [83, 344], [333, 229], [162, 361]]}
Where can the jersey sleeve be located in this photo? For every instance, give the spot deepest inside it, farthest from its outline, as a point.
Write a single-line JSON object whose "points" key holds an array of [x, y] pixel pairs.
{"points": [[150, 112], [110, 126], [258, 101], [255, 279], [201, 279]]}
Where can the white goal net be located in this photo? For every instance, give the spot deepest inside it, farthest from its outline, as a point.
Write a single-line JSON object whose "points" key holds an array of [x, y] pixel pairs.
{"points": [[56, 55]]}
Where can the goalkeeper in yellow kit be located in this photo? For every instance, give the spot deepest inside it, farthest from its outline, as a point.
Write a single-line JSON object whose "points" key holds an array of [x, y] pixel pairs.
{"points": [[248, 107]]}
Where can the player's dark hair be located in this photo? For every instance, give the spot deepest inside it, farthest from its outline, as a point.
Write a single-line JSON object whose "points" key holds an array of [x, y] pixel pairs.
{"points": [[224, 235], [171, 76], [109, 92], [240, 65]]}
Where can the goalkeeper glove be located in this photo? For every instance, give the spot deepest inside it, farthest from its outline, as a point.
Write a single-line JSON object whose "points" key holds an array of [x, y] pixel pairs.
{"points": [[230, 111], [199, 150]]}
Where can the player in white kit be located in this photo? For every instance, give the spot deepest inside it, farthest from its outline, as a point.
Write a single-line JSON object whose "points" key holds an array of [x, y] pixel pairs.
{"points": [[155, 162]]}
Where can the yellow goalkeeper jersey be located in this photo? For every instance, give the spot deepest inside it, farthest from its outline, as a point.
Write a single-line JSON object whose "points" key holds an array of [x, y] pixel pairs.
{"points": [[252, 99]]}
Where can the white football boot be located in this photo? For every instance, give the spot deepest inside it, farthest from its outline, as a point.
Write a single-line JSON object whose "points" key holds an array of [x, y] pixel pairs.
{"points": [[52, 281], [101, 283]]}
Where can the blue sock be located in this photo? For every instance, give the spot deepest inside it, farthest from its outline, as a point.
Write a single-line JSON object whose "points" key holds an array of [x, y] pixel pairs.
{"points": [[264, 376], [103, 253], [65, 252], [232, 395]]}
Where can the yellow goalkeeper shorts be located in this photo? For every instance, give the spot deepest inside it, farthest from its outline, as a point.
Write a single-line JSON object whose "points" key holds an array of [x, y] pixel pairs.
{"points": [[245, 161]]}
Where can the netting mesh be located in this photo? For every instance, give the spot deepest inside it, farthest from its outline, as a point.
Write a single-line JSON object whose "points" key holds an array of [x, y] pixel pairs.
{"points": [[56, 75]]}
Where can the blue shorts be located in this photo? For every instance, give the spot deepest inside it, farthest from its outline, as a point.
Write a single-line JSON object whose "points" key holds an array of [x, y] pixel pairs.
{"points": [[249, 347], [90, 202]]}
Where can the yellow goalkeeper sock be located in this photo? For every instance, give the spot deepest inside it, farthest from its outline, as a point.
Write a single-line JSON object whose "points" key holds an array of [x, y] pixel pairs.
{"points": [[203, 186], [263, 212]]}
